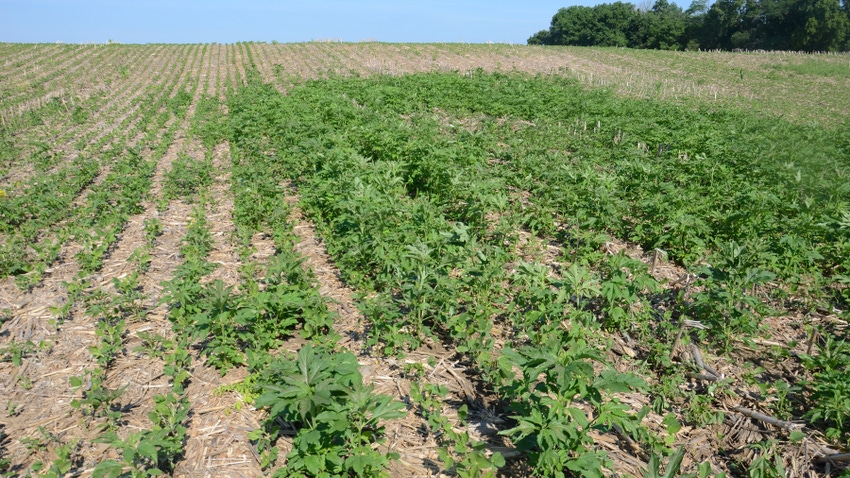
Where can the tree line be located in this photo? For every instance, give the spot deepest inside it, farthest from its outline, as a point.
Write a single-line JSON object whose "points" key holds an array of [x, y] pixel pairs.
{"points": [[802, 25]]}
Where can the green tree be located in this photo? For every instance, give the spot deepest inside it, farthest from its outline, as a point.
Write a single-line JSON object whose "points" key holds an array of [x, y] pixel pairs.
{"points": [[617, 24], [540, 38], [608, 24], [750, 27], [778, 23], [845, 5], [809, 25], [572, 26], [825, 27], [721, 22], [695, 18], [663, 27]]}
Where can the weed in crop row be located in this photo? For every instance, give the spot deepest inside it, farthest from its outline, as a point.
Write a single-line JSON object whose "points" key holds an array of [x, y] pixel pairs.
{"points": [[15, 351], [320, 391], [64, 461], [830, 392], [97, 400], [458, 452], [227, 323], [45, 199], [606, 179], [338, 417], [187, 176], [149, 452], [550, 424]]}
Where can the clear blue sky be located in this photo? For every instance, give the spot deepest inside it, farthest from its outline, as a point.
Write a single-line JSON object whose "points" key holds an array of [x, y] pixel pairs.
{"points": [[198, 21]]}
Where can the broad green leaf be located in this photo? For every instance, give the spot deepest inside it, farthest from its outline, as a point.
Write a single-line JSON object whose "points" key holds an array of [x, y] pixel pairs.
{"points": [[108, 469], [617, 382], [313, 463]]}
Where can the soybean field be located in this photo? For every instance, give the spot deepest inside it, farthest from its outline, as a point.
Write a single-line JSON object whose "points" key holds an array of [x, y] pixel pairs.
{"points": [[368, 259]]}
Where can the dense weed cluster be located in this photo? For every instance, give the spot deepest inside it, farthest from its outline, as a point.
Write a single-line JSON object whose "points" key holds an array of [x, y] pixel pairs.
{"points": [[419, 185]]}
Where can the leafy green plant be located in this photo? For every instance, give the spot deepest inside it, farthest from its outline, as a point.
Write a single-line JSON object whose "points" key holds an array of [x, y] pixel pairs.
{"points": [[40, 441], [129, 290], [550, 427], [149, 452], [768, 461], [141, 257], [727, 304], [672, 470], [153, 229], [701, 411], [222, 325], [830, 398], [198, 242], [458, 452], [62, 312], [26, 282], [97, 400], [417, 186], [653, 468], [14, 259], [95, 248], [177, 362], [110, 332], [187, 176], [625, 281], [153, 345], [12, 409], [63, 463], [25, 382], [15, 351], [339, 419]]}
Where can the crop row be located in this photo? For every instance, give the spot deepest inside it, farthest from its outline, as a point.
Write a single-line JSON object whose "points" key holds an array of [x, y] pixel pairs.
{"points": [[320, 390], [65, 127], [90, 231], [162, 446], [230, 327], [32, 208], [69, 74]]}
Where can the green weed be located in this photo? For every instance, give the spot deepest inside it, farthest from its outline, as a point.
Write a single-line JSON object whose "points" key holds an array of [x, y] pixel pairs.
{"points": [[339, 419]]}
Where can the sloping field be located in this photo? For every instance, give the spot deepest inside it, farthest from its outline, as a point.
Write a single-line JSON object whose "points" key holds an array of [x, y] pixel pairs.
{"points": [[372, 259]]}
